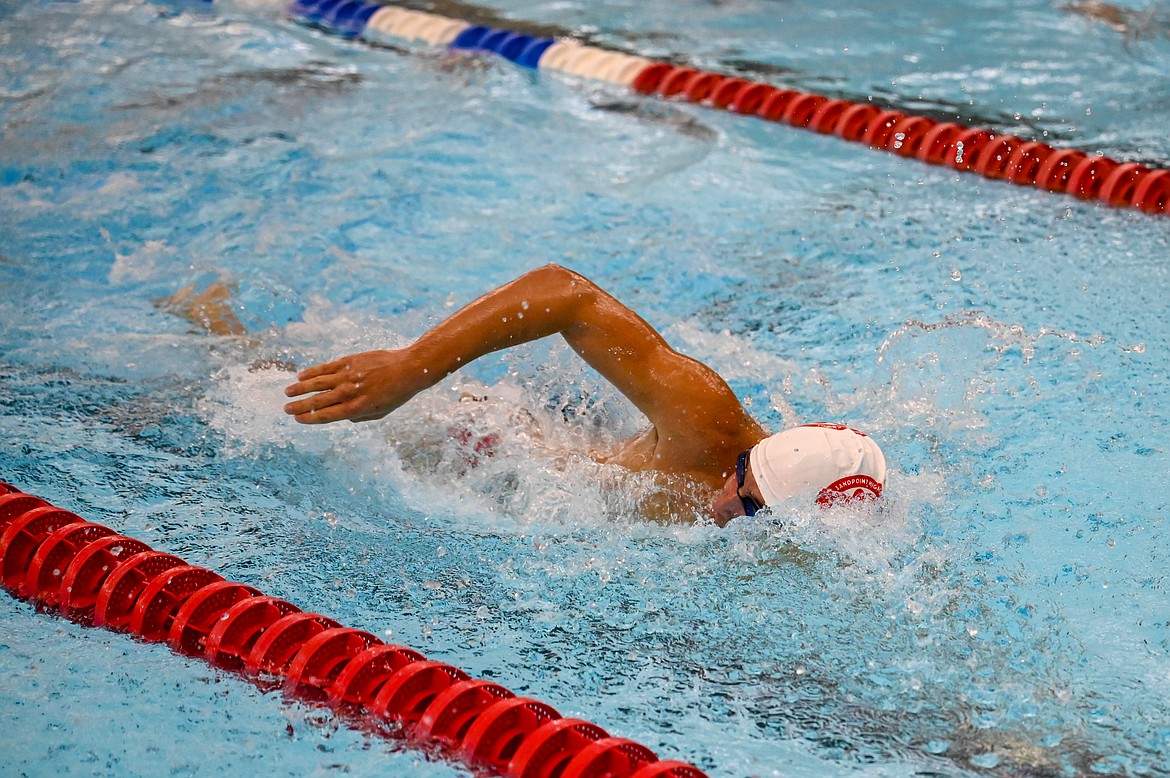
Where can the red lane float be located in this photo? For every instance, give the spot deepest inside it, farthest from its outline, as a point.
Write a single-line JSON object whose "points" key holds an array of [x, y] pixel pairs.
{"points": [[406, 694], [48, 565], [92, 575], [1152, 194], [450, 714], [546, 752], [608, 757], [230, 642], [1024, 164], [968, 149], [198, 615], [87, 573], [21, 539], [935, 147], [496, 734], [275, 650], [119, 594], [359, 683], [155, 609], [828, 116], [16, 504], [322, 658]]}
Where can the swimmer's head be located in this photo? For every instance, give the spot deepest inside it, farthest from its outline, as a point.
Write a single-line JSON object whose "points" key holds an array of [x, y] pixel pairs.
{"points": [[828, 464]]}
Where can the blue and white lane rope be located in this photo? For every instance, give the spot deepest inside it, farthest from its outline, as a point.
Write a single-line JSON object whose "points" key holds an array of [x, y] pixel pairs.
{"points": [[355, 18]]}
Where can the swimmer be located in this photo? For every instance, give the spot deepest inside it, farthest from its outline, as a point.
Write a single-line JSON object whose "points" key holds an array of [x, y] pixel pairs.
{"points": [[698, 429]]}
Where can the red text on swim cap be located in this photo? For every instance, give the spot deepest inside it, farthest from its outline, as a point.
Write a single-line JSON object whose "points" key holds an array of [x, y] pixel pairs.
{"points": [[854, 488]]}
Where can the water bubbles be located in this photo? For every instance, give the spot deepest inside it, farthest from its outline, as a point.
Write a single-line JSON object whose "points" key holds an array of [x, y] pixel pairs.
{"points": [[956, 275], [330, 519]]}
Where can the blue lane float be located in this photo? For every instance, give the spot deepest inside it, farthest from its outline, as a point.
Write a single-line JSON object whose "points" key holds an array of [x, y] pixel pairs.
{"points": [[524, 50], [343, 17]]}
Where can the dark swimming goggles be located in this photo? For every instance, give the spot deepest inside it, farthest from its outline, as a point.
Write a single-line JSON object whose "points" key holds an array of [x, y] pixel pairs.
{"points": [[750, 506]]}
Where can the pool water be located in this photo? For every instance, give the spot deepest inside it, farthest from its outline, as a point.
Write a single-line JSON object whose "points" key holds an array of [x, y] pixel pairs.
{"points": [[1006, 612]]}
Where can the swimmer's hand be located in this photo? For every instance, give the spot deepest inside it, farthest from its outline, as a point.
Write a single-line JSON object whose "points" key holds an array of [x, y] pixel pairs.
{"points": [[359, 387]]}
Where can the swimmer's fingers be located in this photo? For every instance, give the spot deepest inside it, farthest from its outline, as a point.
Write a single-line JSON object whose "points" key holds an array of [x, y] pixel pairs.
{"points": [[326, 415], [321, 383], [339, 402], [324, 368]]}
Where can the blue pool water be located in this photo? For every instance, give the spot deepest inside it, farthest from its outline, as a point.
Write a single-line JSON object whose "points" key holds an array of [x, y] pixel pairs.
{"points": [[1005, 615]]}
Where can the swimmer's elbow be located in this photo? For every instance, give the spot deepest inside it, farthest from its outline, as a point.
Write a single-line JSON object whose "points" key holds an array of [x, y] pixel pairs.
{"points": [[564, 282], [555, 275]]}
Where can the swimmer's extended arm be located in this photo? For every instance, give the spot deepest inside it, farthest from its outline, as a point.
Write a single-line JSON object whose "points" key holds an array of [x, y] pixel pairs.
{"points": [[678, 394]]}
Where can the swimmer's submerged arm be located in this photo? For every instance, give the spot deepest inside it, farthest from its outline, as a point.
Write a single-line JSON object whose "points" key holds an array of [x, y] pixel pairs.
{"points": [[674, 391]]}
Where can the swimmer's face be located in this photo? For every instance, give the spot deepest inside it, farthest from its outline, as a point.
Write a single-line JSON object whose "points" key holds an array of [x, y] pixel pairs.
{"points": [[740, 495]]}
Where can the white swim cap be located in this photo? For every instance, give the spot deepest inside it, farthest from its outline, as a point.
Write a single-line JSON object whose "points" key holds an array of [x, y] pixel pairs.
{"points": [[828, 462]]}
